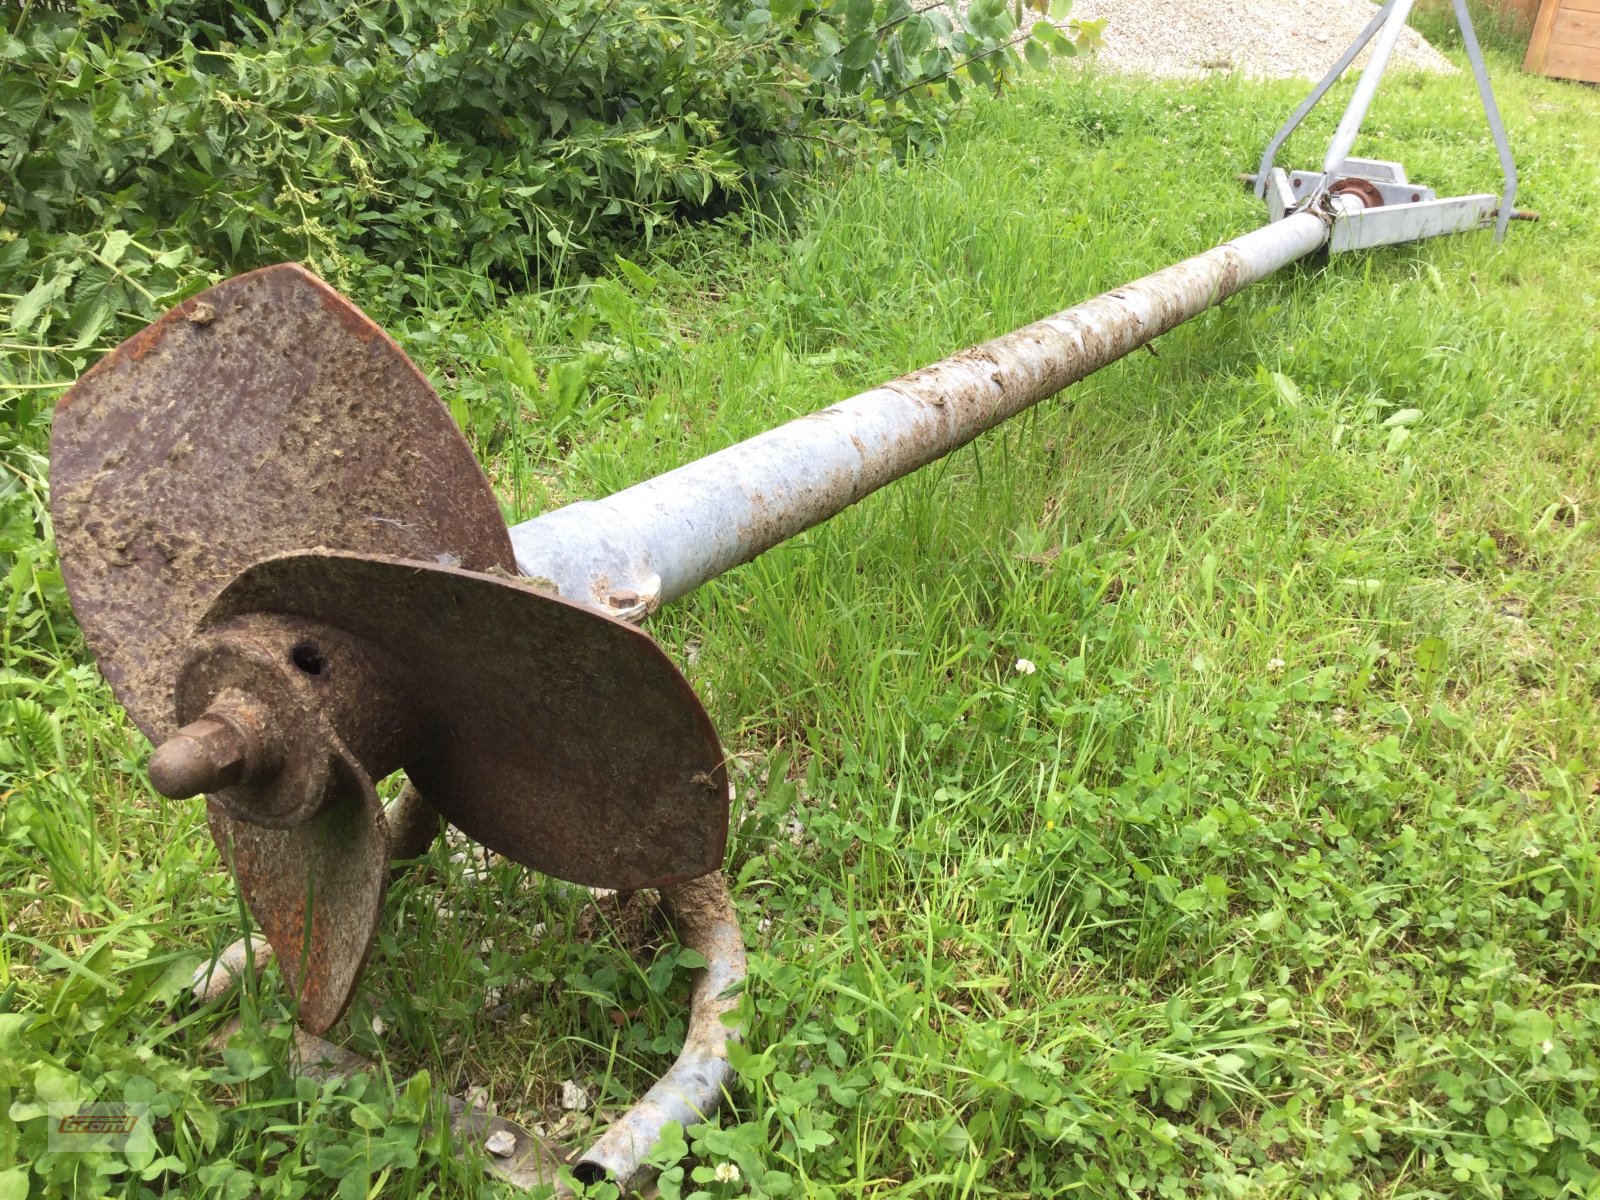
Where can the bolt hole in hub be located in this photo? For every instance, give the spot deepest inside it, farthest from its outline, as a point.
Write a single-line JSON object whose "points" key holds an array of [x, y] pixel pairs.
{"points": [[308, 659]]}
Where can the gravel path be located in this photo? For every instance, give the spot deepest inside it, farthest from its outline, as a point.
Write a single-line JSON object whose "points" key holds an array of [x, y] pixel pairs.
{"points": [[1271, 38]]}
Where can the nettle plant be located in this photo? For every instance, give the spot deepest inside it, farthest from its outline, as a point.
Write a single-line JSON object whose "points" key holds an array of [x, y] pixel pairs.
{"points": [[145, 151]]}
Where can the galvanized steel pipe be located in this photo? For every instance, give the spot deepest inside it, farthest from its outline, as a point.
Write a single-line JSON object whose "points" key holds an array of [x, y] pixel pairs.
{"points": [[654, 542], [1344, 137], [660, 539], [693, 1089]]}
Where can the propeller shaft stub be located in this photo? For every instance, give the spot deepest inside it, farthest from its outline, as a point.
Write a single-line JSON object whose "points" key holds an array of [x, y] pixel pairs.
{"points": [[207, 755]]}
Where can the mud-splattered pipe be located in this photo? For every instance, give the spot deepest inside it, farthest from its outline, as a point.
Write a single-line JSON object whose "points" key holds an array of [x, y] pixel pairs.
{"points": [[649, 544], [692, 1090]]}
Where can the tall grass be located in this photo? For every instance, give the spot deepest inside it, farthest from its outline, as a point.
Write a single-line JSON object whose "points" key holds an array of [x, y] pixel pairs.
{"points": [[1500, 27]]}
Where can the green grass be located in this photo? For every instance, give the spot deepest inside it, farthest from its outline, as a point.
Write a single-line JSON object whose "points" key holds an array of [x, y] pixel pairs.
{"points": [[1498, 27], [1278, 876]]}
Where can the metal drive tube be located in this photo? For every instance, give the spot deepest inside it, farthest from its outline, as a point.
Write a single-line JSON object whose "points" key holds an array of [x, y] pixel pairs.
{"points": [[660, 539], [1344, 137]]}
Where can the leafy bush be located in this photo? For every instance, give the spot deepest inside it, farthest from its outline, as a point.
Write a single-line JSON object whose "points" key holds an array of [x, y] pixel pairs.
{"points": [[388, 143], [147, 151]]}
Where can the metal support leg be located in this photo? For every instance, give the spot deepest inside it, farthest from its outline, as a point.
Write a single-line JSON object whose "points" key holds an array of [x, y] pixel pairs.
{"points": [[1508, 166], [1269, 159], [1395, 210], [1344, 137]]}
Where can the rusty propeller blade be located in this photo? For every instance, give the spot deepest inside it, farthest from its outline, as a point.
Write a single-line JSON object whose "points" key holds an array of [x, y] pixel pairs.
{"points": [[559, 737], [296, 578], [265, 414], [322, 919]]}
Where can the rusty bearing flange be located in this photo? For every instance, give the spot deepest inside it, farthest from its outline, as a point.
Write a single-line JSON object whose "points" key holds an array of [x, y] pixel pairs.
{"points": [[260, 735], [1362, 189]]}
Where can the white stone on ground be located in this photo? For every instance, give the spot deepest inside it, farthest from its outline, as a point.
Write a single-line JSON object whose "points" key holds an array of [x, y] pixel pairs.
{"points": [[1177, 39], [1272, 38]]}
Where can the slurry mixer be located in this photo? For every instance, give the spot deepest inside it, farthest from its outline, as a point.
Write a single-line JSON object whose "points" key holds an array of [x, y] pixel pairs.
{"points": [[296, 578]]}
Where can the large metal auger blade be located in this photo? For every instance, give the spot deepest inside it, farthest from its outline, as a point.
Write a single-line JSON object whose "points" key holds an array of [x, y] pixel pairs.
{"points": [[297, 579]]}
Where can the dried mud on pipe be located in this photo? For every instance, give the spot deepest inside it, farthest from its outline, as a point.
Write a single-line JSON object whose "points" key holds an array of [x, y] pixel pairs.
{"points": [[693, 523], [982, 386]]}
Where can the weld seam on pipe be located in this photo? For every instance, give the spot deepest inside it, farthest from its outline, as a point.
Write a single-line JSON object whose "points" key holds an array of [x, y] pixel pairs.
{"points": [[691, 524]]}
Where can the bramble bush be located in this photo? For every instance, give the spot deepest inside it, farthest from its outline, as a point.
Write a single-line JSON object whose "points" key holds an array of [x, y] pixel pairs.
{"points": [[419, 154]]}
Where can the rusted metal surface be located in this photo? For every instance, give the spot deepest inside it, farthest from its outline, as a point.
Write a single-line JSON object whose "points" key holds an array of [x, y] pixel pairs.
{"points": [[316, 889], [217, 751], [269, 415], [297, 694], [297, 816], [693, 1089], [558, 737], [1363, 190], [666, 536], [265, 414], [263, 514]]}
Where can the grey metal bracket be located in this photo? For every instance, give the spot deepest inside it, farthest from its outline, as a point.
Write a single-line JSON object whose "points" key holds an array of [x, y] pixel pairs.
{"points": [[1308, 187], [1392, 224], [1279, 195], [1409, 212], [1393, 190], [1285, 191]]}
